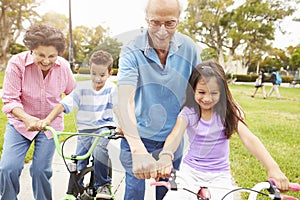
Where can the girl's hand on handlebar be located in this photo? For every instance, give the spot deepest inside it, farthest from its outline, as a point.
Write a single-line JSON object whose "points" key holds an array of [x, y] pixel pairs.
{"points": [[164, 166], [282, 182]]}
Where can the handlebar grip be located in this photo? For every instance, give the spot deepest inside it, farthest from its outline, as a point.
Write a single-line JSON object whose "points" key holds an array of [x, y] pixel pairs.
{"points": [[294, 187], [287, 197], [161, 183]]}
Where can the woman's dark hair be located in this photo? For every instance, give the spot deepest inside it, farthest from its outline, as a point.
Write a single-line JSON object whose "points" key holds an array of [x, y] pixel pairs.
{"points": [[44, 35], [227, 108]]}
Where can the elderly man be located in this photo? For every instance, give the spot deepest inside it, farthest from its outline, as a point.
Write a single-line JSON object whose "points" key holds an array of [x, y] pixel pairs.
{"points": [[153, 74]]}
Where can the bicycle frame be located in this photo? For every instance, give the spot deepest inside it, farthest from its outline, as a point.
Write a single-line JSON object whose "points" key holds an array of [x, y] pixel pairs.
{"points": [[72, 167]]}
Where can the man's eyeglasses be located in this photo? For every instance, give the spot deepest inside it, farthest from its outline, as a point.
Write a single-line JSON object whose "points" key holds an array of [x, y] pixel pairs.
{"points": [[157, 24]]}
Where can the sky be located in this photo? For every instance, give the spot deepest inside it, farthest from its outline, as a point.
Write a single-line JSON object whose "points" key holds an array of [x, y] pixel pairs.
{"points": [[121, 16]]}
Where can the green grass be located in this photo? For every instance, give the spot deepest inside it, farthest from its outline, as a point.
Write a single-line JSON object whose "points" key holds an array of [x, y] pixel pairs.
{"points": [[275, 122]]}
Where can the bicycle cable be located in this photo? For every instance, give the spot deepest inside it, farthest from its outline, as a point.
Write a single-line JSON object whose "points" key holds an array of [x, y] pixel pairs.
{"points": [[62, 150], [237, 189], [234, 190], [191, 192], [64, 159]]}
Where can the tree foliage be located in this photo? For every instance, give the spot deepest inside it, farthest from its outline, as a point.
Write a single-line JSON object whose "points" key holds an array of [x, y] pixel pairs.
{"points": [[85, 40], [295, 59], [57, 20], [112, 46], [222, 26], [13, 15], [208, 54]]}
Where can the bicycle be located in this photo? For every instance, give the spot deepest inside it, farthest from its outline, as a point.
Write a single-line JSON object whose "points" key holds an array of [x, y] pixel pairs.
{"points": [[204, 194], [75, 189]]}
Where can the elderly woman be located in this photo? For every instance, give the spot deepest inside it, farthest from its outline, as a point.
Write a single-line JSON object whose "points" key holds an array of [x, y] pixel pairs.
{"points": [[34, 83]]}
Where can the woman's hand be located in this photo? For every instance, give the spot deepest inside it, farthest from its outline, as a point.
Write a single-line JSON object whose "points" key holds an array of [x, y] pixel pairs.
{"points": [[30, 123], [38, 125]]}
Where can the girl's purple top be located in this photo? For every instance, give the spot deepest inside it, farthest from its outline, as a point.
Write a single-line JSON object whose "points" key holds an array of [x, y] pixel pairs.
{"points": [[209, 147]]}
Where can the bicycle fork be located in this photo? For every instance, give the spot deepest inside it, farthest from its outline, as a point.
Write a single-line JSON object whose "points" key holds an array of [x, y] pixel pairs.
{"points": [[75, 190]]}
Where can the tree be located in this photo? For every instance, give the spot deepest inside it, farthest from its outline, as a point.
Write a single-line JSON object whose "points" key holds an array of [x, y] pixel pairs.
{"points": [[86, 39], [295, 59], [203, 23], [208, 54], [224, 28], [17, 48], [13, 15], [112, 46], [57, 20]]}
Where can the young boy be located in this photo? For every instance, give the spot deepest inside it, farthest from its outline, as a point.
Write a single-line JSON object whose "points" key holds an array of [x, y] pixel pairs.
{"points": [[94, 102]]}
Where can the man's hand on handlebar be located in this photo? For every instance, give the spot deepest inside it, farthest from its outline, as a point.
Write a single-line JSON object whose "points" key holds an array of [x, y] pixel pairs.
{"points": [[144, 166]]}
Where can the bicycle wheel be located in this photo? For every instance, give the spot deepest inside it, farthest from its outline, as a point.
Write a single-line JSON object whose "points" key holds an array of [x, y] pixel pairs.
{"points": [[86, 188]]}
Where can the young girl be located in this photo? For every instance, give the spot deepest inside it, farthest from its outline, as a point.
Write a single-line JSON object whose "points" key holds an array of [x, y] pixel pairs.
{"points": [[210, 116]]}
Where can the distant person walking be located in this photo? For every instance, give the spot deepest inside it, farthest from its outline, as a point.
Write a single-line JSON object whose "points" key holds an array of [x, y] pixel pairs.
{"points": [[276, 81], [260, 83]]}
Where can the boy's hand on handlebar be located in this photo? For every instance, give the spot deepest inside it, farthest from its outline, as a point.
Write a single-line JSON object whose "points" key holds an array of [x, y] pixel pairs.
{"points": [[164, 166], [119, 131]]}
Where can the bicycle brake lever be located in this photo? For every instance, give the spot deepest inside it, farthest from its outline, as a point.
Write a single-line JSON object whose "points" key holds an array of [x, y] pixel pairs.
{"points": [[161, 183], [273, 189], [172, 180], [114, 135], [170, 185]]}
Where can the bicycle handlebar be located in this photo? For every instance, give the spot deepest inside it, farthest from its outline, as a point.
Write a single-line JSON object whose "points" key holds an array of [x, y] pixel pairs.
{"points": [[270, 185], [109, 134], [292, 187]]}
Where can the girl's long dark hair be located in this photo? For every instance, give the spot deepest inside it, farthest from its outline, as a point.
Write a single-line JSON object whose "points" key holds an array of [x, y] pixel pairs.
{"points": [[227, 108]]}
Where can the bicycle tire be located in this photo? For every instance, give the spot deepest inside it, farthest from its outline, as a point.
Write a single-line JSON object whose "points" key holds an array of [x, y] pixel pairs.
{"points": [[83, 190]]}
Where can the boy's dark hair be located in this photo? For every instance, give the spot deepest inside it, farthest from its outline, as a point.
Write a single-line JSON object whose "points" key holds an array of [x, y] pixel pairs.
{"points": [[44, 35], [101, 57]]}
